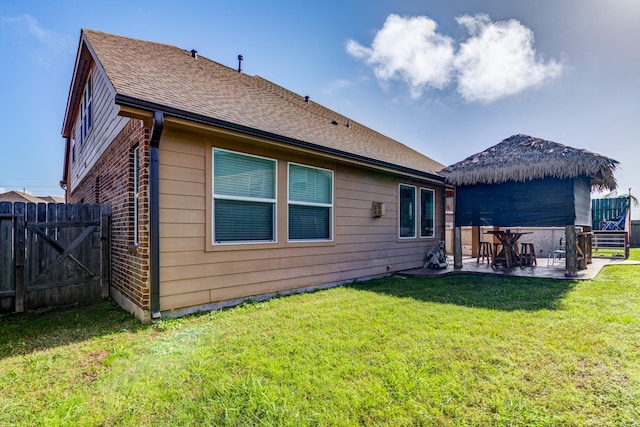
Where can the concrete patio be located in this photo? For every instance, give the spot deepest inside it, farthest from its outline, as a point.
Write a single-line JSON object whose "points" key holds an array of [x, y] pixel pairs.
{"points": [[543, 270]]}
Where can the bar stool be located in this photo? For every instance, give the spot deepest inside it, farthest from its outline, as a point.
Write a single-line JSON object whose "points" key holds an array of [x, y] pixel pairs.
{"points": [[485, 251], [527, 255], [497, 249]]}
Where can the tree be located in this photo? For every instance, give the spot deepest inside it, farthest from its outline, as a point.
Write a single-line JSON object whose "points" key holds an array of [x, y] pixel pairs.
{"points": [[629, 197]]}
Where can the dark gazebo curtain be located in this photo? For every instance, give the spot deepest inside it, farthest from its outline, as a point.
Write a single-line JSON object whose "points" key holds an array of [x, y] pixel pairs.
{"points": [[549, 202]]}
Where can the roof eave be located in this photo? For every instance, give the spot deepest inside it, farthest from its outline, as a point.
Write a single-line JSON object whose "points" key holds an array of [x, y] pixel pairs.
{"points": [[79, 71], [128, 101], [596, 181]]}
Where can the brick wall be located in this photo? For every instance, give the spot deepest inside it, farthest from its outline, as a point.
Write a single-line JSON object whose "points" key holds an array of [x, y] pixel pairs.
{"points": [[111, 180]]}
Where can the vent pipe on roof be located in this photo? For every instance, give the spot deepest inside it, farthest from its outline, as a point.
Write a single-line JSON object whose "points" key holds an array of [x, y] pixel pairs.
{"points": [[306, 98], [194, 54], [240, 58]]}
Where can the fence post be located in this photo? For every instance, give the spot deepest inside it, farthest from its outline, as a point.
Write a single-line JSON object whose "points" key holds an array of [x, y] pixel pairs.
{"points": [[19, 245], [7, 261], [627, 244]]}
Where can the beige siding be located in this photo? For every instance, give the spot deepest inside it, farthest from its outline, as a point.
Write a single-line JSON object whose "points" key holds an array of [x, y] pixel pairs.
{"points": [[106, 125], [194, 272]]}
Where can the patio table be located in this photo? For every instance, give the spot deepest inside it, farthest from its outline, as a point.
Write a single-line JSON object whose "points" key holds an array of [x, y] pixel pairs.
{"points": [[508, 255]]}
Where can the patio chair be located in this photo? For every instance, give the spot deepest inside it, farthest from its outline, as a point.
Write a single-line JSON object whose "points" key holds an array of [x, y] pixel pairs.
{"points": [[615, 224], [556, 253]]}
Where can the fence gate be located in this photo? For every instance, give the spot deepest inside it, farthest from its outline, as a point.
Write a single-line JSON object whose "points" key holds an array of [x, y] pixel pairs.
{"points": [[52, 254]]}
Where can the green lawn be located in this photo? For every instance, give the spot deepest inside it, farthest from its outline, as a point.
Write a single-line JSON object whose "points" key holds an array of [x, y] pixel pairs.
{"points": [[457, 350]]}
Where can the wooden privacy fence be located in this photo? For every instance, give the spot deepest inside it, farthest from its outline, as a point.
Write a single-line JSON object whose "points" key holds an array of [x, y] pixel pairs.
{"points": [[53, 254], [607, 209]]}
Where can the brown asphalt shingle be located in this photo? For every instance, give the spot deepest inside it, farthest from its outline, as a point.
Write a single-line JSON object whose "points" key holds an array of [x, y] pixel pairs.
{"points": [[169, 76], [16, 196]]}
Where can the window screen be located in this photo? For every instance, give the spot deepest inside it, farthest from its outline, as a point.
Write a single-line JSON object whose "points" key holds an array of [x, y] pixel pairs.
{"points": [[244, 197], [426, 213], [407, 214], [310, 203]]}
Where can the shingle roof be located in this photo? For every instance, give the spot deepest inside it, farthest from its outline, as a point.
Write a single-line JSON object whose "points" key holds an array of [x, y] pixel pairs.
{"points": [[16, 196], [524, 158], [168, 76]]}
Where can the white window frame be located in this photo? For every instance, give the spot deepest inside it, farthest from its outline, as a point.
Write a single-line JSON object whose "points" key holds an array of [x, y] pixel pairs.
{"points": [[433, 213], [215, 197], [86, 111], [415, 210], [323, 205]]}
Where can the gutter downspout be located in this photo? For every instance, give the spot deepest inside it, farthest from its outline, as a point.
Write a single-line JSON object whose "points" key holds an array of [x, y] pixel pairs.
{"points": [[154, 214], [65, 168]]}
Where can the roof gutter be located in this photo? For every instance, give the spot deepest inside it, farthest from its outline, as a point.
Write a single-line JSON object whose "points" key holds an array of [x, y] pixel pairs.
{"points": [[198, 118], [65, 168], [154, 214]]}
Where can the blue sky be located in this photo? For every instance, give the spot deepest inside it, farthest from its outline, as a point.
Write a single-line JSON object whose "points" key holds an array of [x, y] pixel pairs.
{"points": [[446, 78]]}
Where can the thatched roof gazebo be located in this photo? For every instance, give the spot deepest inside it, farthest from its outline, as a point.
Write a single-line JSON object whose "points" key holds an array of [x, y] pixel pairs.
{"points": [[528, 182]]}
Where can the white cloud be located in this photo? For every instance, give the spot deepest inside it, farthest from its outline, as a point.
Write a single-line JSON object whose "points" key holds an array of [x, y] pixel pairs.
{"points": [[50, 42], [409, 49], [497, 60], [28, 24]]}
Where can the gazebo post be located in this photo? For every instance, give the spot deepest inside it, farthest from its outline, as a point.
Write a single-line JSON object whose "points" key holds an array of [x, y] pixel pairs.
{"points": [[571, 269], [475, 241], [457, 247]]}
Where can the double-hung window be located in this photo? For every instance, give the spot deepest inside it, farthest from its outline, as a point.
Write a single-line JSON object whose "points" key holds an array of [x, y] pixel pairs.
{"points": [[427, 219], [86, 112], [407, 215], [244, 197], [310, 203], [414, 212]]}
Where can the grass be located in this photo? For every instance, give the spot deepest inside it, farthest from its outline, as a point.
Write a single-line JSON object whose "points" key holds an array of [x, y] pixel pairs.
{"points": [[459, 350], [608, 253]]}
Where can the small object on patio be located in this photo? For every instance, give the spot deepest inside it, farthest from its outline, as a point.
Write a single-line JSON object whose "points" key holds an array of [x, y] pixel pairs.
{"points": [[527, 255], [485, 251], [437, 257]]}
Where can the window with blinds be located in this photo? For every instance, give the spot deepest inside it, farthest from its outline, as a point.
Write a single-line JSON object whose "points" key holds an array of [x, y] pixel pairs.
{"points": [[310, 203], [407, 215], [427, 212], [244, 198]]}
